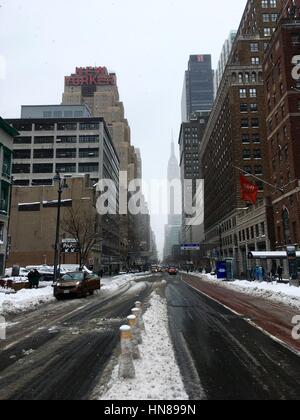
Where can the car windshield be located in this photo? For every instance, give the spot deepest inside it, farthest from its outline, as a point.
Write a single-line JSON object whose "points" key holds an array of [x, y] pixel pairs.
{"points": [[72, 277]]}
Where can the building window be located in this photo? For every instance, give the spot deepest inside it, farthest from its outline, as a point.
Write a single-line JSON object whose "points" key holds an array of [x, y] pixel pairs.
{"points": [[253, 93], [21, 182], [88, 153], [256, 138], [89, 126], [44, 140], [243, 93], [254, 47], [89, 139], [6, 167], [66, 139], [257, 154], [253, 107], [88, 167], [5, 189], [43, 154], [67, 126], [46, 168], [66, 153], [255, 61], [29, 207], [2, 230], [44, 127], [245, 123], [22, 140], [22, 154], [20, 169], [246, 154], [41, 182], [255, 123], [243, 107], [258, 170], [66, 167], [245, 138]]}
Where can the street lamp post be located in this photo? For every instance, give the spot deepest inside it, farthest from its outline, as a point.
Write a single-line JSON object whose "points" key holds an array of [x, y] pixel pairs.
{"points": [[62, 185]]}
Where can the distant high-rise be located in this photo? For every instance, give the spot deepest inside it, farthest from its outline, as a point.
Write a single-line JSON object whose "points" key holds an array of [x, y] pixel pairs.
{"points": [[224, 57], [173, 228], [198, 88]]}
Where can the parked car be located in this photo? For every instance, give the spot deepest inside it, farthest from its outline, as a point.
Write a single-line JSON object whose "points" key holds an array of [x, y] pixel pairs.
{"points": [[172, 271], [76, 284]]}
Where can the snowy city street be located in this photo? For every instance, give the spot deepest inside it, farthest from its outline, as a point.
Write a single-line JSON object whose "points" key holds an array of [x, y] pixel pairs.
{"points": [[195, 346]]}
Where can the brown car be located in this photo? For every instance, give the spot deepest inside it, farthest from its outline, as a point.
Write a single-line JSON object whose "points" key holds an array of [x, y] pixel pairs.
{"points": [[76, 284]]}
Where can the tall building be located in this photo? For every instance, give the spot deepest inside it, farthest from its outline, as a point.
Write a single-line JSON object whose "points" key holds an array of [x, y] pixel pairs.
{"points": [[236, 138], [6, 145], [73, 147], [282, 84], [224, 57], [173, 228], [198, 87], [190, 138], [96, 88]]}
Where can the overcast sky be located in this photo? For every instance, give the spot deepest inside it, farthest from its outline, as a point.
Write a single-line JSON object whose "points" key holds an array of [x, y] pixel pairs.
{"points": [[147, 43]]}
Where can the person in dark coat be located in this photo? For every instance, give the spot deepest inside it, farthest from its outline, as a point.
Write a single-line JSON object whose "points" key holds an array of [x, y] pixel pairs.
{"points": [[273, 273], [36, 279], [280, 273], [30, 278]]}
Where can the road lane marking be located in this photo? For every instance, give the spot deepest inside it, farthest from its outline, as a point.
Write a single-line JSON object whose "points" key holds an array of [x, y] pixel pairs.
{"points": [[249, 321]]}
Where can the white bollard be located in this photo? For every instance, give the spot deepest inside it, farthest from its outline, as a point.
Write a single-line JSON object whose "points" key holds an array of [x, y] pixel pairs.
{"points": [[135, 345], [139, 306], [126, 366], [137, 313]]}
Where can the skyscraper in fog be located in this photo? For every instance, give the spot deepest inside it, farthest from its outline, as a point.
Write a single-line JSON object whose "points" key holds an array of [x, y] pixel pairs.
{"points": [[198, 87], [173, 228]]}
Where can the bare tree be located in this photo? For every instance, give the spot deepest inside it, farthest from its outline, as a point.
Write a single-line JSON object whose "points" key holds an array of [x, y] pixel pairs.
{"points": [[83, 226]]}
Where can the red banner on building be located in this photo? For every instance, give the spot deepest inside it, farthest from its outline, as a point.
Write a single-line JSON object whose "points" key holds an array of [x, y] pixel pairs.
{"points": [[249, 190]]}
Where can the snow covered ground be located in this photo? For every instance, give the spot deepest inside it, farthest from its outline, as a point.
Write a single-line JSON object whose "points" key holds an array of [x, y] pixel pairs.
{"points": [[25, 299], [157, 374], [283, 293]]}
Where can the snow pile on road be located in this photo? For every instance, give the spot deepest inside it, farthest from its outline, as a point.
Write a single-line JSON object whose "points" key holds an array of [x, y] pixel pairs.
{"points": [[283, 293], [112, 284], [157, 374], [25, 299]]}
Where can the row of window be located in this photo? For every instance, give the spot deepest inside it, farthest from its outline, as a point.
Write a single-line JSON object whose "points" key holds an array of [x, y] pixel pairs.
{"points": [[253, 232], [245, 93], [255, 138], [60, 153], [46, 126], [57, 139], [60, 167], [252, 154], [256, 170], [269, 4], [248, 107], [254, 123]]}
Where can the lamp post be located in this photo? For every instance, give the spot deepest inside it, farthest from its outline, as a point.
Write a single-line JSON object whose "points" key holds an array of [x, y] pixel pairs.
{"points": [[62, 185]]}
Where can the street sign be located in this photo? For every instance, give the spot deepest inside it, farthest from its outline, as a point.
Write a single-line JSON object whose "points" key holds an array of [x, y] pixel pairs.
{"points": [[190, 247], [69, 246]]}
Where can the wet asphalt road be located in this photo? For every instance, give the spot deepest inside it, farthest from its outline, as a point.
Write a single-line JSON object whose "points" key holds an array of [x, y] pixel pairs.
{"points": [[59, 351], [222, 357]]}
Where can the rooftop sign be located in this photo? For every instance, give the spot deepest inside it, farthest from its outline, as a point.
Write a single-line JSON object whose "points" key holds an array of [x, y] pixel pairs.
{"points": [[91, 76]]}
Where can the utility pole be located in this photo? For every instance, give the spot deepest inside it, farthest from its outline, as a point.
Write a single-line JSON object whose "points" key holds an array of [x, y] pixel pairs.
{"points": [[62, 185]]}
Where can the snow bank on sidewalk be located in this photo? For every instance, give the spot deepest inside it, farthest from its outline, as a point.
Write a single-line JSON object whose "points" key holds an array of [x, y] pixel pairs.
{"points": [[157, 374], [282, 293], [25, 299]]}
